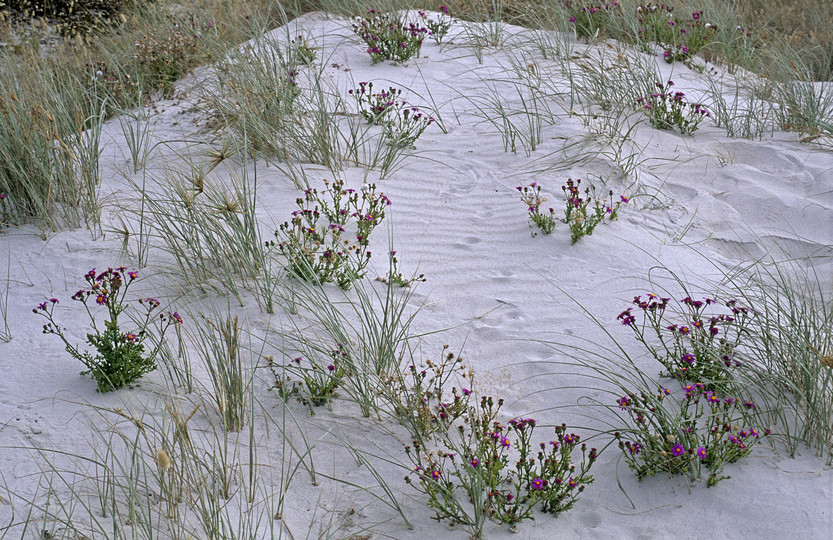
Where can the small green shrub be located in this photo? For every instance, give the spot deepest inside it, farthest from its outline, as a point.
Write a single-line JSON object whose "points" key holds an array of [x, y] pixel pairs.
{"points": [[315, 242], [686, 435], [387, 37], [120, 357], [667, 110], [577, 212]]}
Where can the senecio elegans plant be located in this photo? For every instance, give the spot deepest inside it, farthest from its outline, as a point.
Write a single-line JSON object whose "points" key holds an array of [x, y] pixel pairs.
{"points": [[387, 37], [687, 434], [476, 467], [590, 17], [708, 426], [120, 357], [403, 124], [667, 110], [315, 242], [701, 347], [469, 465], [439, 28], [579, 216], [680, 38]]}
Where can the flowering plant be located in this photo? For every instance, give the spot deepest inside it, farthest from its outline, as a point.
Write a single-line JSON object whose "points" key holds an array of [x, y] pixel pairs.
{"points": [[403, 124], [578, 215], [589, 17], [439, 28], [681, 38], [700, 431], [315, 241], [699, 348], [395, 276], [120, 358], [531, 197], [496, 465], [667, 110], [317, 383], [302, 52], [388, 38]]}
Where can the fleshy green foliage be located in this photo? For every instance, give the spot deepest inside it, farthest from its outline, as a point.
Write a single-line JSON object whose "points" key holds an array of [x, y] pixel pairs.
{"points": [[669, 111], [699, 347], [590, 18], [531, 197], [387, 37], [403, 124], [578, 214], [502, 474], [687, 435], [120, 357], [315, 242]]}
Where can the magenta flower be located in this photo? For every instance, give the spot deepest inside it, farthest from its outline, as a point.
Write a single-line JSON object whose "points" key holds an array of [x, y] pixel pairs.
{"points": [[537, 484], [701, 453], [677, 450]]}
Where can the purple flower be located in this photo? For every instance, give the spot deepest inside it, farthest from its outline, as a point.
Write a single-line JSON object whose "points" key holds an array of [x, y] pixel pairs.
{"points": [[537, 484], [474, 462], [701, 453], [677, 450], [624, 402], [688, 358]]}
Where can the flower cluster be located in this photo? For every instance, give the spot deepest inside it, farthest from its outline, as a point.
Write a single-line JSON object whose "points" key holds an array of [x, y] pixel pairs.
{"points": [[387, 37], [403, 123], [580, 217], [698, 348], [315, 241], [668, 110], [696, 431], [681, 38], [531, 197], [590, 17], [317, 382], [120, 358], [439, 28], [499, 468]]}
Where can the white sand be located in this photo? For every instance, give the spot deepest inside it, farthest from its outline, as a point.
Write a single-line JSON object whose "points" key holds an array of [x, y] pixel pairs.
{"points": [[699, 205]]}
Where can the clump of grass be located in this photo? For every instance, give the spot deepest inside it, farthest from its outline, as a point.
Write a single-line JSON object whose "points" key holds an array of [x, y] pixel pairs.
{"points": [[791, 342], [217, 338]]}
